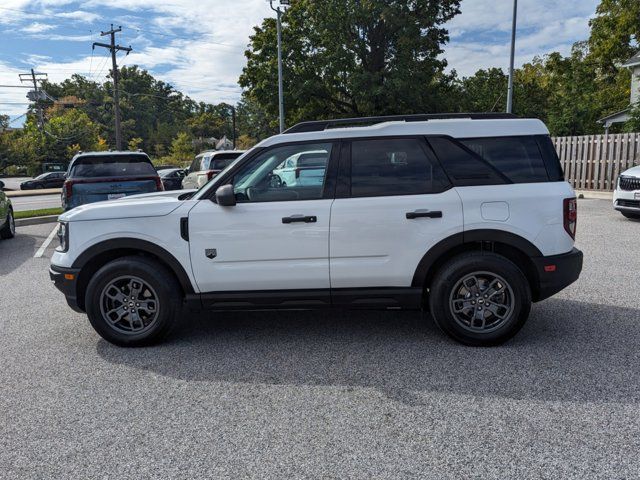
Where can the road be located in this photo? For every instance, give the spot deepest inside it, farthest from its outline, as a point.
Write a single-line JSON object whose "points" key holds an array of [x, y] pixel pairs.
{"points": [[327, 395], [35, 202]]}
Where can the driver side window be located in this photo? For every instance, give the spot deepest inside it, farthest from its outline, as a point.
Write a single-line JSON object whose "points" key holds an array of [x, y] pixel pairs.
{"points": [[264, 180]]}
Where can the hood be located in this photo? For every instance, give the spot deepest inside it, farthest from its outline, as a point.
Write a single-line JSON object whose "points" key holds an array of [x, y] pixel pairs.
{"points": [[167, 194], [136, 206], [632, 172]]}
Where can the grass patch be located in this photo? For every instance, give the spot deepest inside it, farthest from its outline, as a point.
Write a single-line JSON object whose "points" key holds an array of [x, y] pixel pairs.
{"points": [[37, 213]]}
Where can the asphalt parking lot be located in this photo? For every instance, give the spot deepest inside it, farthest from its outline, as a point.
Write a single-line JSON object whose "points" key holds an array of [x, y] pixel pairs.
{"points": [[327, 395]]}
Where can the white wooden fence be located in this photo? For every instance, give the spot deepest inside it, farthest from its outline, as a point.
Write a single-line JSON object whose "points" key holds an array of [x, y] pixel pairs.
{"points": [[593, 162]]}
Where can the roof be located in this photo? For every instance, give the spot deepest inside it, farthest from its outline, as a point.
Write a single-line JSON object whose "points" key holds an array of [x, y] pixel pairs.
{"points": [[633, 61], [457, 128], [618, 117], [213, 153]]}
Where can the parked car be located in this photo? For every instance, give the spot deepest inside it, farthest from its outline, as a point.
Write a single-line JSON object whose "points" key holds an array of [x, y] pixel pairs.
{"points": [[46, 180], [207, 165], [302, 169], [172, 178], [97, 176], [466, 216], [7, 223], [626, 197]]}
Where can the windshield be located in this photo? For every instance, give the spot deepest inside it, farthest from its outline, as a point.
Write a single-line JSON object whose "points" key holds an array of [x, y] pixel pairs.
{"points": [[213, 184]]}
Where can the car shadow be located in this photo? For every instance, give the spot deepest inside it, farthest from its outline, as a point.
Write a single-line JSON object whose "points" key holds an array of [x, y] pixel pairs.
{"points": [[568, 351], [16, 251]]}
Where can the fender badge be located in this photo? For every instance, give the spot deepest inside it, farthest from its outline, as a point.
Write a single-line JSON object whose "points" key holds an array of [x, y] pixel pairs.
{"points": [[211, 253]]}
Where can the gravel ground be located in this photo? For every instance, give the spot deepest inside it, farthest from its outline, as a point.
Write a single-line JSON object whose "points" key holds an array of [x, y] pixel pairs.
{"points": [[317, 395]]}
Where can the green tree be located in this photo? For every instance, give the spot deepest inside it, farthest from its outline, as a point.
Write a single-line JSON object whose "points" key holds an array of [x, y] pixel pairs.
{"points": [[615, 34], [352, 57]]}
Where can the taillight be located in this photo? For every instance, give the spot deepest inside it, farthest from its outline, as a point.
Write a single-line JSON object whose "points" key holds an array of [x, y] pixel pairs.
{"points": [[210, 175], [67, 188], [570, 216], [159, 184]]}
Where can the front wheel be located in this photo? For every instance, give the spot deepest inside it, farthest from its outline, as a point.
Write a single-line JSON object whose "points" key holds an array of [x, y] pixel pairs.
{"points": [[9, 228], [480, 299], [133, 302]]}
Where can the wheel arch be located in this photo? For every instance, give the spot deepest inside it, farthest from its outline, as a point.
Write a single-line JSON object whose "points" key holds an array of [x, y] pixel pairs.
{"points": [[98, 255], [514, 247]]}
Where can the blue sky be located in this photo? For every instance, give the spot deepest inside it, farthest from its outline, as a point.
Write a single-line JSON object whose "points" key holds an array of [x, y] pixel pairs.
{"points": [[197, 45]]}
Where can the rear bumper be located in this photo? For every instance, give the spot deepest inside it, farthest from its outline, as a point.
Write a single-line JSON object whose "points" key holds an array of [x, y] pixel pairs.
{"points": [[557, 272], [65, 280]]}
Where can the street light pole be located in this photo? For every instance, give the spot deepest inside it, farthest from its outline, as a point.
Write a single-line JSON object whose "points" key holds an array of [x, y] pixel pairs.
{"points": [[280, 86], [512, 60]]}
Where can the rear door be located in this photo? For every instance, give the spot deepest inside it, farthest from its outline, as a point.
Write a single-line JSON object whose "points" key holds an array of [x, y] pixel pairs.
{"points": [[397, 203]]}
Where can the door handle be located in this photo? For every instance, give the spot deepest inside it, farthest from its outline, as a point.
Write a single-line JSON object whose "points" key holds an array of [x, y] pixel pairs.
{"points": [[424, 214], [300, 219]]}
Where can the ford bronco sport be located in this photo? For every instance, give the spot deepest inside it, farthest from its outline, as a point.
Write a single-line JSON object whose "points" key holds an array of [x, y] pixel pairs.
{"points": [[466, 216]]}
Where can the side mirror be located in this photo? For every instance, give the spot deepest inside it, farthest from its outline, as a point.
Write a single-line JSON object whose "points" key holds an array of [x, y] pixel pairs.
{"points": [[225, 196]]}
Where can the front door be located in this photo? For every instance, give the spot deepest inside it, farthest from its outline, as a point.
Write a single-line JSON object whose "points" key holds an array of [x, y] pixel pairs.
{"points": [[276, 238]]}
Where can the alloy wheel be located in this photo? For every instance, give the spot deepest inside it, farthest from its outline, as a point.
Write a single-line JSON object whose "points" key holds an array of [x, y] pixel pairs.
{"points": [[129, 305], [481, 302]]}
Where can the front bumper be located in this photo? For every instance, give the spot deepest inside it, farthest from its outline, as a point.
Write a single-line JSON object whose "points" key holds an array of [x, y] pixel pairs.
{"points": [[66, 280], [626, 200], [557, 272]]}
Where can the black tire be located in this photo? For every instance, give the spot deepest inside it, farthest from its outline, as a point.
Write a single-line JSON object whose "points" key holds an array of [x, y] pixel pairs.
{"points": [[447, 290], [162, 288], [9, 228], [632, 216]]}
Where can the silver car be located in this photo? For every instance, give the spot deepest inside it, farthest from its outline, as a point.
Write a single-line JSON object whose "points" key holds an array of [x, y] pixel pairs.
{"points": [[207, 165]]}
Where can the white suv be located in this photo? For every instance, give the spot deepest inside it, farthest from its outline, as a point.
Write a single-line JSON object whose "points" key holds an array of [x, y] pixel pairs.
{"points": [[466, 216], [626, 197]]}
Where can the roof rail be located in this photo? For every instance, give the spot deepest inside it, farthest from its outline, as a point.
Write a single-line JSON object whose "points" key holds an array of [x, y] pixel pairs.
{"points": [[320, 125]]}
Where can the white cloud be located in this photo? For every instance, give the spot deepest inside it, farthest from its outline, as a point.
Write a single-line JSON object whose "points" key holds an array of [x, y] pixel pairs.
{"points": [[37, 27], [480, 36], [80, 15]]}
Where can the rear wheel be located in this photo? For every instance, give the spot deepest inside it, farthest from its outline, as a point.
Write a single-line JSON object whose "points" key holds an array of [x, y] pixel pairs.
{"points": [[480, 299], [632, 216], [133, 302], [9, 228]]}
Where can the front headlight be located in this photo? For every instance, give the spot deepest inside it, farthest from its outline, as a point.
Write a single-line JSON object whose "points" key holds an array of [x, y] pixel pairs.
{"points": [[63, 237]]}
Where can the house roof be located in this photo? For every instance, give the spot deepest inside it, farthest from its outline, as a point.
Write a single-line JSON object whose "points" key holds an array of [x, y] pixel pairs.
{"points": [[618, 117], [633, 61]]}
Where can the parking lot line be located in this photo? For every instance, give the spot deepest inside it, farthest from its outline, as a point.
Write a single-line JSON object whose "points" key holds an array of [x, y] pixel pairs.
{"points": [[46, 243]]}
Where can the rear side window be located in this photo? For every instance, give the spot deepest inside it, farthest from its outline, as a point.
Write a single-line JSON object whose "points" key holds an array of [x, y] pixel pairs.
{"points": [[464, 167], [316, 159], [113, 166], [518, 158], [550, 157], [394, 167]]}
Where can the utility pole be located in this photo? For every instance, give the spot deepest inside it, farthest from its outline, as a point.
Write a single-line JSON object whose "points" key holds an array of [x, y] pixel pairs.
{"points": [[233, 117], [513, 55], [35, 78], [114, 73], [278, 11]]}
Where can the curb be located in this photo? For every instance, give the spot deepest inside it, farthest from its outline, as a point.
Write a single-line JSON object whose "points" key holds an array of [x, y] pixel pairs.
{"points": [[31, 193], [25, 222], [597, 194]]}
